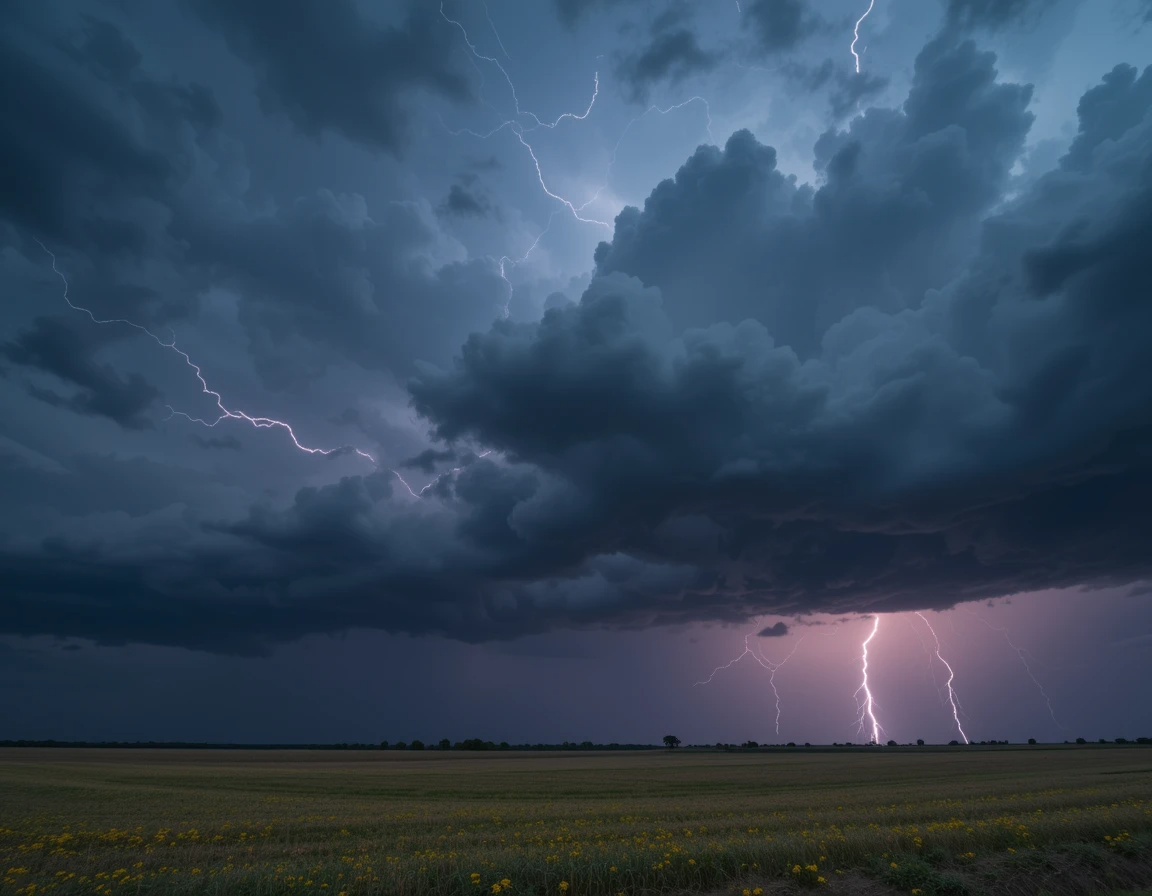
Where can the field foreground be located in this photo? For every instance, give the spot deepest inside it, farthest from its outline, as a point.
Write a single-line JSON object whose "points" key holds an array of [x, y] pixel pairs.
{"points": [[869, 822]]}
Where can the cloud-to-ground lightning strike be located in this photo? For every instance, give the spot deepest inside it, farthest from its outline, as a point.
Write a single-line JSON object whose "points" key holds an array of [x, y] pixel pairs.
{"points": [[227, 413], [1023, 654], [867, 707], [952, 698], [772, 668], [856, 35]]}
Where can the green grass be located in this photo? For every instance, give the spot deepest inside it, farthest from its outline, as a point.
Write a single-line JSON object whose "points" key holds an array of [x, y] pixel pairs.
{"points": [[942, 823]]}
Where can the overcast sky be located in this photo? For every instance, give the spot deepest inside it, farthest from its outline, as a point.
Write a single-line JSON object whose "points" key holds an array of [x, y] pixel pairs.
{"points": [[503, 370]]}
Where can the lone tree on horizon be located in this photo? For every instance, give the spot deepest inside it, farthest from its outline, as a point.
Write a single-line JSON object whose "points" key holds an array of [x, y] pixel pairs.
{"points": [[671, 741]]}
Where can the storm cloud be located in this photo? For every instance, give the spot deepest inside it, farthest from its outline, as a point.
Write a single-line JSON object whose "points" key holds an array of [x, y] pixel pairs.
{"points": [[912, 382], [329, 68]]}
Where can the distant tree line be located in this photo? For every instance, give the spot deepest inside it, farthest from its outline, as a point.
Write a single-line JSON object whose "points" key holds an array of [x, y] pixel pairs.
{"points": [[478, 744]]}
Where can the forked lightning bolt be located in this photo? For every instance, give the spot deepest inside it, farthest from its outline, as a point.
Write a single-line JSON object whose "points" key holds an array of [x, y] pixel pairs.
{"points": [[519, 130], [856, 34], [763, 661], [867, 706], [1023, 654], [225, 412], [952, 698]]}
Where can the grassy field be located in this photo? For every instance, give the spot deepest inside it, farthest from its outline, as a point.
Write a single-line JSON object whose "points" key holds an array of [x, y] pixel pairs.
{"points": [[959, 821]]}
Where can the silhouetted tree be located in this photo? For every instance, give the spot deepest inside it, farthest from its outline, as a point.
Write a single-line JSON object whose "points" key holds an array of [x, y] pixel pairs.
{"points": [[416, 745], [504, 745], [671, 741], [445, 744], [1121, 740], [953, 743], [1032, 741], [1081, 740], [383, 745], [891, 743], [920, 742], [750, 744], [400, 745]]}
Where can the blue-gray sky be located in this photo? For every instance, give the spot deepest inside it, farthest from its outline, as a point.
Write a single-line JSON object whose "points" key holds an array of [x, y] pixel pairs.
{"points": [[636, 327]]}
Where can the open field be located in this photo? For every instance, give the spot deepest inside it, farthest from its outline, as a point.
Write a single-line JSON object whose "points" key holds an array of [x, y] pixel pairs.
{"points": [[864, 822]]}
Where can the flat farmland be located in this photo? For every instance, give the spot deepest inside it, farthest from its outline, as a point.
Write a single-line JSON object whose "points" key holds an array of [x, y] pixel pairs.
{"points": [[925, 822]]}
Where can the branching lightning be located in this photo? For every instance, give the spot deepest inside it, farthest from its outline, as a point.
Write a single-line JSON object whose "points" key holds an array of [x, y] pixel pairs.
{"points": [[226, 413], [856, 34], [519, 130], [1023, 654], [772, 668], [867, 707], [952, 698]]}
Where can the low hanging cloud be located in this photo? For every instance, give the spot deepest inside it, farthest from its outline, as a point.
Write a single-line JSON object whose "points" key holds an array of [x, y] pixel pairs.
{"points": [[777, 630], [892, 390], [671, 54], [329, 68], [67, 352]]}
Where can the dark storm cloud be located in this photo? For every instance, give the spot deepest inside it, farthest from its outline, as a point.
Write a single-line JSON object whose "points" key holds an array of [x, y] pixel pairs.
{"points": [[847, 90], [891, 391], [993, 14], [216, 443], [328, 67], [898, 210], [322, 281], [779, 630], [571, 11], [67, 352], [429, 459], [71, 159], [780, 25], [671, 54], [95, 484], [465, 204]]}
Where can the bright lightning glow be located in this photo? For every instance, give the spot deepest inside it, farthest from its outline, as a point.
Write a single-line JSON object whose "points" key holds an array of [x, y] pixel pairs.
{"points": [[1023, 654], [856, 34], [763, 661], [867, 713], [226, 413], [520, 130], [952, 698]]}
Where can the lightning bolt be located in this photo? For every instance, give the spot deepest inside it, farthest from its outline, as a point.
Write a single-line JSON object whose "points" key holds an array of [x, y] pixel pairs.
{"points": [[772, 668], [866, 705], [856, 34], [225, 412], [1023, 654], [420, 493], [952, 698], [931, 670], [488, 16], [520, 130]]}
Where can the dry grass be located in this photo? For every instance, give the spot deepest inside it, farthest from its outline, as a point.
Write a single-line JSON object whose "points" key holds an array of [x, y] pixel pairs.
{"points": [[931, 823]]}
